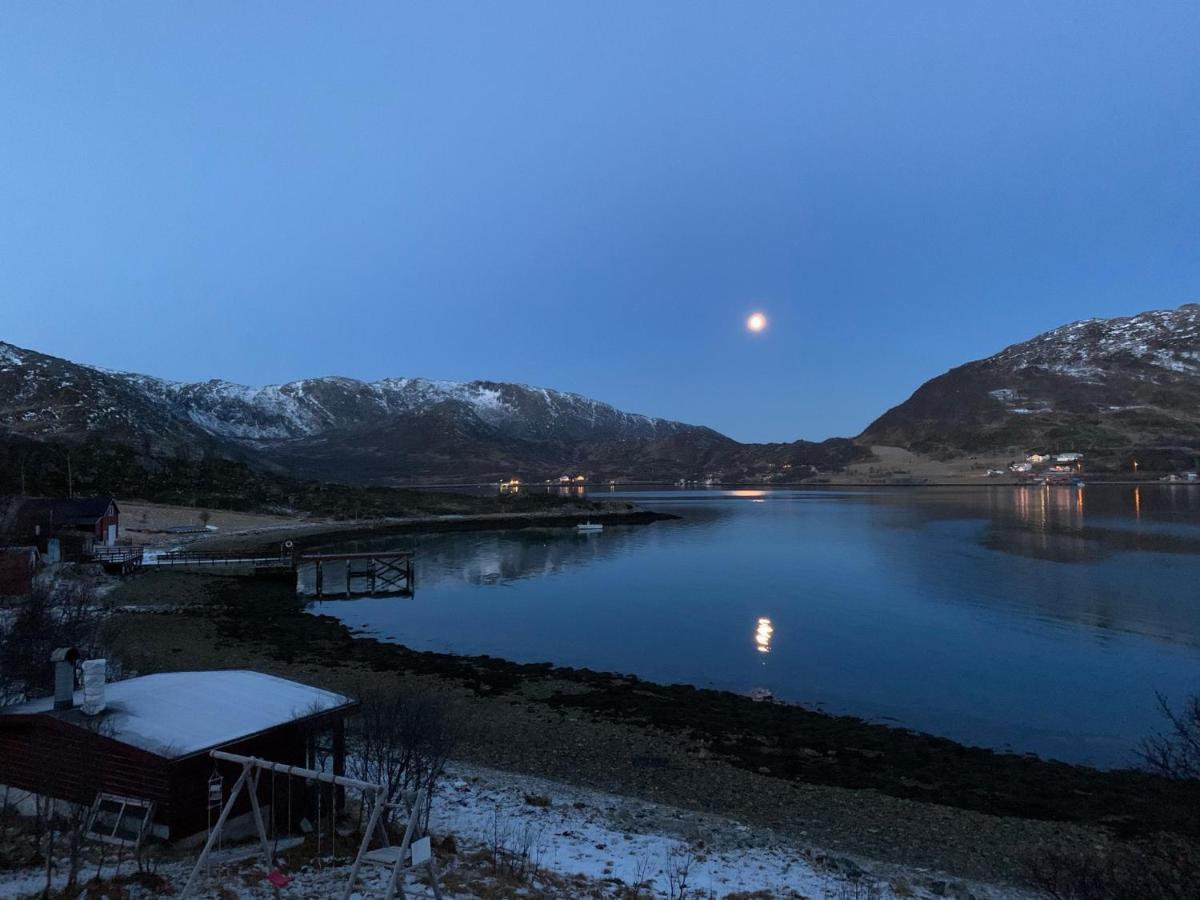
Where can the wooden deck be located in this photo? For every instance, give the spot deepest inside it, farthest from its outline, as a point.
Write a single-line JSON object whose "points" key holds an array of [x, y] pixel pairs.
{"points": [[322, 575], [370, 574]]}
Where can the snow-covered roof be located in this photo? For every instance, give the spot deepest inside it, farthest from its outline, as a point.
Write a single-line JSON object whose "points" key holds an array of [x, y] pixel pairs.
{"points": [[176, 714]]}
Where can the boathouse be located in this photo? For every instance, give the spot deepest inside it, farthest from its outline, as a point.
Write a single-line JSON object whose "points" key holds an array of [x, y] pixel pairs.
{"points": [[92, 520], [148, 739]]}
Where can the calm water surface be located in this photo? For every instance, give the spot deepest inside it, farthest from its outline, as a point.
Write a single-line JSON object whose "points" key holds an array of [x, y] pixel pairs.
{"points": [[1032, 619]]}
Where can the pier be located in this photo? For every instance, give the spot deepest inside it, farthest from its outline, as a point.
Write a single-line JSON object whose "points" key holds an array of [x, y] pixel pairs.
{"points": [[369, 574], [323, 575]]}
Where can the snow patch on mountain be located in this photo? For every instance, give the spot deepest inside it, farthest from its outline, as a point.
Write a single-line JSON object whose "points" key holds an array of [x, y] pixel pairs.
{"points": [[1134, 346], [10, 355]]}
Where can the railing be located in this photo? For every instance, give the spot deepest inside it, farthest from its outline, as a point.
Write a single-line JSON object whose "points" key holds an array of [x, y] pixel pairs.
{"points": [[282, 559], [122, 555]]}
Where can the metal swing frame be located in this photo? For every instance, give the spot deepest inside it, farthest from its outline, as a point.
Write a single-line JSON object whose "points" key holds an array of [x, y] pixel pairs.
{"points": [[410, 854]]}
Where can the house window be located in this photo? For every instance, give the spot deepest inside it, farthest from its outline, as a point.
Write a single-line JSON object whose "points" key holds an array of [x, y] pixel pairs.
{"points": [[119, 820]]}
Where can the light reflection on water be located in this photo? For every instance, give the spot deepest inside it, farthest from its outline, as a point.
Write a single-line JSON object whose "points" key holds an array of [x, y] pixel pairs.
{"points": [[762, 635], [1037, 618]]}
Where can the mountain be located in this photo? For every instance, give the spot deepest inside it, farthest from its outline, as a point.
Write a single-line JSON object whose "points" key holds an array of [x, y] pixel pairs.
{"points": [[398, 430], [1111, 386]]}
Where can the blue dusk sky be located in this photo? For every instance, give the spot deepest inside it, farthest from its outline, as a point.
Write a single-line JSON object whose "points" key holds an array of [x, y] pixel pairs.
{"points": [[594, 196]]}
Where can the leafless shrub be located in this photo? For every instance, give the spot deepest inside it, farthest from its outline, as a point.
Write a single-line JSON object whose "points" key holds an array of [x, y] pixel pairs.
{"points": [[678, 870], [59, 613], [1165, 867], [515, 852], [403, 742], [1159, 867], [1175, 752]]}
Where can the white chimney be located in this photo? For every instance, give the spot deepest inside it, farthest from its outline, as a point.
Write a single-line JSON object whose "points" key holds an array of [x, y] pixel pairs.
{"points": [[93, 686]]}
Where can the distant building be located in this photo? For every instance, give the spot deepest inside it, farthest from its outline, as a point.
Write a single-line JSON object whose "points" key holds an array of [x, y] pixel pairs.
{"points": [[1068, 457], [91, 519], [1021, 467], [1037, 457], [18, 566]]}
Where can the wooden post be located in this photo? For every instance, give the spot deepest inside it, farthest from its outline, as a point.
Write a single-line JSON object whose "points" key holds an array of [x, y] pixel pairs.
{"points": [[368, 833], [216, 831], [339, 763], [347, 578], [320, 578]]}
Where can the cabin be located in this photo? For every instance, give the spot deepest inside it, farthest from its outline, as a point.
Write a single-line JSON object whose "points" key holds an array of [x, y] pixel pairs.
{"points": [[80, 522], [148, 740], [18, 566]]}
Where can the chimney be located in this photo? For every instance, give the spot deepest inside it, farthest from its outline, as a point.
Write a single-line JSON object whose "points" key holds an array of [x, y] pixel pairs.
{"points": [[64, 659], [93, 686]]}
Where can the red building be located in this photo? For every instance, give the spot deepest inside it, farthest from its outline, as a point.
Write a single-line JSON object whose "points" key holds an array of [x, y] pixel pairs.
{"points": [[91, 520], [152, 740], [18, 565]]}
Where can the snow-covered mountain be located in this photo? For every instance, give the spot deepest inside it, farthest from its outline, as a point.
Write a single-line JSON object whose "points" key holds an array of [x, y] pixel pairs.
{"points": [[1104, 384], [398, 429]]}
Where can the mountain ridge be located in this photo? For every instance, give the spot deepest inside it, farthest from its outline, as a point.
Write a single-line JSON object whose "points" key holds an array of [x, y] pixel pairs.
{"points": [[1112, 385], [394, 430]]}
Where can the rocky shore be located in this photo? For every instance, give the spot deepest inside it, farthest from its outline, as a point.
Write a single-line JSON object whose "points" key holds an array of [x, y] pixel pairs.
{"points": [[831, 782]]}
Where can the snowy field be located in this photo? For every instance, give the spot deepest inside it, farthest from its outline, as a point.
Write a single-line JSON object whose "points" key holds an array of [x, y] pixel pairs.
{"points": [[517, 836]]}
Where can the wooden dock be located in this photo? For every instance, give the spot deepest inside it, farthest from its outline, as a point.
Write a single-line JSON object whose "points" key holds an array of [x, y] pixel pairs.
{"points": [[370, 574], [121, 559], [258, 563]]}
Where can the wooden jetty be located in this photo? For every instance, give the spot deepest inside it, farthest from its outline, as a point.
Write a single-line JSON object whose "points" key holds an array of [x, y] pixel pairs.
{"points": [[373, 573], [121, 559], [258, 563]]}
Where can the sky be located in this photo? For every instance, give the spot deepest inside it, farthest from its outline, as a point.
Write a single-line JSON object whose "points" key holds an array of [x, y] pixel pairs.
{"points": [[594, 196]]}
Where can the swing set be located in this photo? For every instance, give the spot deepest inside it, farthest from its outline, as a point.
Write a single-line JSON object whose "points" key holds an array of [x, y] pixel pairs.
{"points": [[411, 854]]}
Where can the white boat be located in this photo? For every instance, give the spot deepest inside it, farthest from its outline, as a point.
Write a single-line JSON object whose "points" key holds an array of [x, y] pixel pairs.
{"points": [[589, 526]]}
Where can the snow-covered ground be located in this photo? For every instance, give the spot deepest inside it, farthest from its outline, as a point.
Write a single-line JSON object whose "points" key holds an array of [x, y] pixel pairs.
{"points": [[575, 842]]}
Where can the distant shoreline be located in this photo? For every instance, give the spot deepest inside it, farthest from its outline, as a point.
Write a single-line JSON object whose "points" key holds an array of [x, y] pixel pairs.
{"points": [[602, 488], [306, 535]]}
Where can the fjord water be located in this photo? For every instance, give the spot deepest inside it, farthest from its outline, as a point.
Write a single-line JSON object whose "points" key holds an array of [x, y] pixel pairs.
{"points": [[1034, 619]]}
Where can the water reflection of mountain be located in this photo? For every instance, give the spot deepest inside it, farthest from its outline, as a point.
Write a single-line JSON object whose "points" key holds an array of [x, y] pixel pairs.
{"points": [[1064, 524], [1103, 533]]}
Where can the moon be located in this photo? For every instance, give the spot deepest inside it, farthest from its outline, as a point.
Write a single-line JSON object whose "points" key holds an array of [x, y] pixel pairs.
{"points": [[756, 322]]}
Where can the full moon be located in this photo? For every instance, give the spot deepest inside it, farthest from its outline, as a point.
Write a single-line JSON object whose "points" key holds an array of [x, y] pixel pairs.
{"points": [[756, 322]]}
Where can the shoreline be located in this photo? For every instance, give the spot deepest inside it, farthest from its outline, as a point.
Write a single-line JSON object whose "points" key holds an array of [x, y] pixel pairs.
{"points": [[836, 782], [312, 534]]}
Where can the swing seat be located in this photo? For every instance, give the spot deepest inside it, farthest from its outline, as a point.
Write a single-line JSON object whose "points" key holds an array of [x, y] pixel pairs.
{"points": [[279, 879]]}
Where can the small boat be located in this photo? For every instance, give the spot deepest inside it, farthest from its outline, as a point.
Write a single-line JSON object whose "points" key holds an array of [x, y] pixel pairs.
{"points": [[589, 526]]}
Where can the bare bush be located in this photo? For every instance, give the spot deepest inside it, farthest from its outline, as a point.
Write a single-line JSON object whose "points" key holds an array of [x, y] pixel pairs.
{"points": [[1165, 867], [403, 742], [1175, 752], [515, 852], [678, 870], [1159, 867], [63, 612]]}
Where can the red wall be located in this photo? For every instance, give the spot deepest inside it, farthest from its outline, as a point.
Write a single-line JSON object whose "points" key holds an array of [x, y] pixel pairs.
{"points": [[43, 754]]}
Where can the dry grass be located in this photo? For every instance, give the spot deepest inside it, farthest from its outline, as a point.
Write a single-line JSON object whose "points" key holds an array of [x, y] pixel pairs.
{"points": [[147, 523]]}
